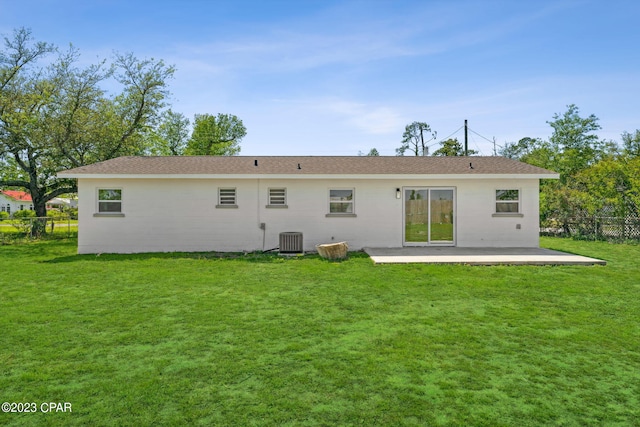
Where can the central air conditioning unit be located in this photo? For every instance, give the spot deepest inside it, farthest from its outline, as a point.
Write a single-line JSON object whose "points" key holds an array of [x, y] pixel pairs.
{"points": [[291, 242]]}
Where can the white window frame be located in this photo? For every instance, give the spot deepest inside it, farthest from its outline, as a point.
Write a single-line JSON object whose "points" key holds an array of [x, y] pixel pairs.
{"points": [[227, 197], [352, 212], [517, 202], [99, 212], [277, 197]]}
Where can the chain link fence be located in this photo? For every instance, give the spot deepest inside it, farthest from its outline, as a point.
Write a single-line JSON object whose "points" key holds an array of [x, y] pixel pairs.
{"points": [[597, 228], [31, 228]]}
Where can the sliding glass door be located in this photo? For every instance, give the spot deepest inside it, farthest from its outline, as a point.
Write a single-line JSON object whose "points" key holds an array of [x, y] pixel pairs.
{"points": [[429, 217]]}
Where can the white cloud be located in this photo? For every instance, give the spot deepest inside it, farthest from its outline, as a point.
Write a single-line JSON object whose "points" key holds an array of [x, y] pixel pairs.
{"points": [[290, 50], [370, 119]]}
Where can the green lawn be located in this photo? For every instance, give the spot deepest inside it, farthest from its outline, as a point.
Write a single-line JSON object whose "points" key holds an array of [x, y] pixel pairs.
{"points": [[418, 232], [192, 339], [12, 230]]}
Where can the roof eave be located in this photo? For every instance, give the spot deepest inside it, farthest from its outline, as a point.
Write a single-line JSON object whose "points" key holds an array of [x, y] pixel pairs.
{"points": [[312, 176]]}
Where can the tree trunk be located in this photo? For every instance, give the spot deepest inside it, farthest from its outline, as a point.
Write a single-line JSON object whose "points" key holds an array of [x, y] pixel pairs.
{"points": [[39, 224]]}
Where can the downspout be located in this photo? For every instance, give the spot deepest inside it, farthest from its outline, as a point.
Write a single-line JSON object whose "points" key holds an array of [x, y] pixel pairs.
{"points": [[261, 224]]}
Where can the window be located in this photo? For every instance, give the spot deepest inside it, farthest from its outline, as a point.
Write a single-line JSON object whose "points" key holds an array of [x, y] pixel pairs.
{"points": [[507, 201], [341, 202], [227, 198], [109, 200], [277, 198]]}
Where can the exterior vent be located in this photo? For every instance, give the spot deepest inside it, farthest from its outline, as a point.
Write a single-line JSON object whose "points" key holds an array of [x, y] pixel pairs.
{"points": [[291, 242]]}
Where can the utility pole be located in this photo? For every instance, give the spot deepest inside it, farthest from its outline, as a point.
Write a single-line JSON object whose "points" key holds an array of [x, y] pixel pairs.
{"points": [[466, 139]]}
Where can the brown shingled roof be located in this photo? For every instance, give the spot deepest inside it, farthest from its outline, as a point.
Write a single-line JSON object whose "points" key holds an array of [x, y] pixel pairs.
{"points": [[307, 165]]}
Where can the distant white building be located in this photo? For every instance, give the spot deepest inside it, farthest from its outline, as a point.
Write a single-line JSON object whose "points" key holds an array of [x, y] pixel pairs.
{"points": [[213, 203], [62, 203], [12, 201]]}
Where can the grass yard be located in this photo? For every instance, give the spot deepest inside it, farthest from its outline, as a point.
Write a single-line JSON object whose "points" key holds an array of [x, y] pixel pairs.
{"points": [[418, 232], [12, 231], [192, 339]]}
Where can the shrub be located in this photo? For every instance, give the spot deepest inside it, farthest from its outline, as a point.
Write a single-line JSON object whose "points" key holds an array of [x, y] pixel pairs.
{"points": [[3, 216], [56, 214], [24, 214]]}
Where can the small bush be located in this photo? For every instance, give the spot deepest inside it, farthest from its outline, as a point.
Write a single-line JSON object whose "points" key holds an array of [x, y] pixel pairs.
{"points": [[56, 214], [3, 216], [24, 214]]}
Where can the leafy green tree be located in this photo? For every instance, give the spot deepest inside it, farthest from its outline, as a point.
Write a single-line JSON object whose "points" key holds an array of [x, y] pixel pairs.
{"points": [[631, 143], [594, 174], [611, 182], [574, 142], [171, 136], [451, 147], [413, 139], [542, 155], [373, 152], [607, 188], [54, 115], [216, 135], [520, 149]]}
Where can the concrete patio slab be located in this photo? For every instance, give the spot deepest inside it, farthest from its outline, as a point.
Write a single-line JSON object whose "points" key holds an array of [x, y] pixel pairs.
{"points": [[477, 256]]}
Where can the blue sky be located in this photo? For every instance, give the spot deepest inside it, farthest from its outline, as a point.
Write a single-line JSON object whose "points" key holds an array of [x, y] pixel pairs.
{"points": [[338, 77]]}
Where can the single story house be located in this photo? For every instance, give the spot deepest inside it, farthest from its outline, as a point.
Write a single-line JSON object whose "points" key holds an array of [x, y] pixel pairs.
{"points": [[12, 201], [247, 203], [62, 203]]}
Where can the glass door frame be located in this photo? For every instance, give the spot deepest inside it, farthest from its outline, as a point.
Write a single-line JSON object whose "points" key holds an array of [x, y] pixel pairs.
{"points": [[428, 242]]}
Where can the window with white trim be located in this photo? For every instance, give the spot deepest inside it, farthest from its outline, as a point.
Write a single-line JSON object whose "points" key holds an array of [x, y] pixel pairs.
{"points": [[277, 197], [508, 201], [227, 197], [341, 201], [109, 200]]}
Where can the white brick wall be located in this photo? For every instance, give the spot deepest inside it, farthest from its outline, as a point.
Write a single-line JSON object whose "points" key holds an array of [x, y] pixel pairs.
{"points": [[165, 215]]}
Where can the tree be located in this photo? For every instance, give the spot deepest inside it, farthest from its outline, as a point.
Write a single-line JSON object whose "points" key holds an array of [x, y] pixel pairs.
{"points": [[595, 175], [610, 182], [574, 142], [171, 136], [451, 147], [413, 139], [520, 149], [631, 143], [590, 170], [57, 117], [216, 135], [373, 152]]}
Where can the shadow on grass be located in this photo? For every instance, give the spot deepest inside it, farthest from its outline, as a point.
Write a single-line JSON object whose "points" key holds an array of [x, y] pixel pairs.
{"points": [[257, 257]]}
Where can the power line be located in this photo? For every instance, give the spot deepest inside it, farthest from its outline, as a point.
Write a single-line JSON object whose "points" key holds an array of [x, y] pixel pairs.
{"points": [[447, 137], [491, 141]]}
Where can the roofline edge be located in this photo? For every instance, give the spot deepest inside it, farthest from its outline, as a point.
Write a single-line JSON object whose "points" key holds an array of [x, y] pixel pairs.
{"points": [[311, 176]]}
